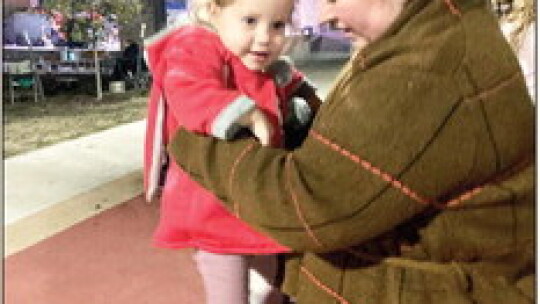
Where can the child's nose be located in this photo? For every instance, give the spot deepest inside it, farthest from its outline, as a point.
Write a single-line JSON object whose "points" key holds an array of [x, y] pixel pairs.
{"points": [[262, 36]]}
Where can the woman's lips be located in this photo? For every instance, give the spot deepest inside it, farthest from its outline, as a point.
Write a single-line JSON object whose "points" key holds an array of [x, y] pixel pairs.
{"points": [[354, 37], [348, 33]]}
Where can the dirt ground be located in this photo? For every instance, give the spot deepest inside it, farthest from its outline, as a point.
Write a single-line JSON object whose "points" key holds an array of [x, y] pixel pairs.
{"points": [[29, 125]]}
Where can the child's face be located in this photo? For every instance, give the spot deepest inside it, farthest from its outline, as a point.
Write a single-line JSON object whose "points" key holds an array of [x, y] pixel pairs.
{"points": [[254, 30], [361, 19]]}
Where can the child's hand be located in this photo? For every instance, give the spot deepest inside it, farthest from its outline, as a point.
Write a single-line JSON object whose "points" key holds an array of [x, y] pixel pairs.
{"points": [[259, 125]]}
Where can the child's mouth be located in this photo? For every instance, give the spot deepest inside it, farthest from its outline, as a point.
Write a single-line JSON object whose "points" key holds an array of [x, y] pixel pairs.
{"points": [[260, 55]]}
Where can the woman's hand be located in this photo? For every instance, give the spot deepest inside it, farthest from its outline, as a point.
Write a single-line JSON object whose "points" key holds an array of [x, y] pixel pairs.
{"points": [[259, 125]]}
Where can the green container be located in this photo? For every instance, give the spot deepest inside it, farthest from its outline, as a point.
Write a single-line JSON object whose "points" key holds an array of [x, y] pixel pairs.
{"points": [[25, 82]]}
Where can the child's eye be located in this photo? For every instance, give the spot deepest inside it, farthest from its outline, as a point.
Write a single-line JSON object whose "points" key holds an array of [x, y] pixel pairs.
{"points": [[278, 25], [249, 20]]}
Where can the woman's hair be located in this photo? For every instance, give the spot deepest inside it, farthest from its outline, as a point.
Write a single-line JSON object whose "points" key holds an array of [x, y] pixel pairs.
{"points": [[522, 15]]}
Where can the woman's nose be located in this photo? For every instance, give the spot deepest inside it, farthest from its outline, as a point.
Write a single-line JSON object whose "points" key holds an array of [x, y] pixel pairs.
{"points": [[326, 14]]}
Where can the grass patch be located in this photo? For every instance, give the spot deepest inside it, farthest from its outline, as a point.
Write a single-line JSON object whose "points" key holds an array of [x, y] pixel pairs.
{"points": [[29, 125]]}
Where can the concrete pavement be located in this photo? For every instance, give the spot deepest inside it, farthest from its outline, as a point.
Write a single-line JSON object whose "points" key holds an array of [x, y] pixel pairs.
{"points": [[52, 188]]}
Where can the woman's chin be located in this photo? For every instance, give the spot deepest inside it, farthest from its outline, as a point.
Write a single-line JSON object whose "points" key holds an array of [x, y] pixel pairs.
{"points": [[358, 42]]}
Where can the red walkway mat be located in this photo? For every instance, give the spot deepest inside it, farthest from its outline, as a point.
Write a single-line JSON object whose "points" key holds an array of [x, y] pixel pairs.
{"points": [[107, 259]]}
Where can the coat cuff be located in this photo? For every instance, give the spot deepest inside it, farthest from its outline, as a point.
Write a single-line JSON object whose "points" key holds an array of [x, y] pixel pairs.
{"points": [[225, 126], [305, 88], [282, 70]]}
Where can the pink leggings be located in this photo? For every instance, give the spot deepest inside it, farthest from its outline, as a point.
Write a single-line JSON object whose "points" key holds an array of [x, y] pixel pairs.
{"points": [[238, 279]]}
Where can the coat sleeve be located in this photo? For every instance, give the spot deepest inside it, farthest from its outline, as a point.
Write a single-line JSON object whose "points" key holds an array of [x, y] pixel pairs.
{"points": [[196, 89], [372, 161]]}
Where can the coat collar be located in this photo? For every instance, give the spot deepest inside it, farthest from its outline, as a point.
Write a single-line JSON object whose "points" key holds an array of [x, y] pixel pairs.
{"points": [[406, 28]]}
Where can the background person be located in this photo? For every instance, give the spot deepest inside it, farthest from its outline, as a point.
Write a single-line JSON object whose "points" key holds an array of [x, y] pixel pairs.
{"points": [[126, 65], [130, 55]]}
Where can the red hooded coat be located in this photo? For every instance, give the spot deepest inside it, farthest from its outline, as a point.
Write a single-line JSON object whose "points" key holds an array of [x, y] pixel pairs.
{"points": [[200, 85]]}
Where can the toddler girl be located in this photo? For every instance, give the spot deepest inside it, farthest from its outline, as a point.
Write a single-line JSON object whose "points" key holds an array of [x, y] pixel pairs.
{"points": [[218, 76]]}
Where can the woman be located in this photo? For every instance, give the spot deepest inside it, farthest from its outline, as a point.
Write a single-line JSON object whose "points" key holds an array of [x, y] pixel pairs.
{"points": [[416, 182]]}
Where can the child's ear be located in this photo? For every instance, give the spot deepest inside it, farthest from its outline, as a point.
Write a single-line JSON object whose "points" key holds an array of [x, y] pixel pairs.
{"points": [[206, 10], [212, 8]]}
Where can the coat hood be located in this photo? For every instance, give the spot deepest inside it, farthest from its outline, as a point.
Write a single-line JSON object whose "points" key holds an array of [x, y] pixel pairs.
{"points": [[155, 44]]}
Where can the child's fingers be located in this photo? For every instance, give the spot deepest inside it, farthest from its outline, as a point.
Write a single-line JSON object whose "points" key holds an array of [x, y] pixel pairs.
{"points": [[263, 131]]}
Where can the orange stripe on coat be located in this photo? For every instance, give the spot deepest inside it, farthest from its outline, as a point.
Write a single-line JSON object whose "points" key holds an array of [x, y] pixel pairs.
{"points": [[392, 180], [322, 286]]}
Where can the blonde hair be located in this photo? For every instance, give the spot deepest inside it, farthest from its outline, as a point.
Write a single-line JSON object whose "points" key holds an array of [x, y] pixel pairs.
{"points": [[199, 10], [198, 13], [522, 15]]}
